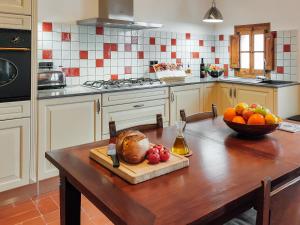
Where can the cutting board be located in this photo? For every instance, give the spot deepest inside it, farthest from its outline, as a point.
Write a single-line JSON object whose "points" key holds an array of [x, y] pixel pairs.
{"points": [[135, 174]]}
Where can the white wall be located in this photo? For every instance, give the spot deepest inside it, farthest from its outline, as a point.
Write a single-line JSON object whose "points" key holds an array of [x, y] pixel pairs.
{"points": [[283, 15], [176, 15]]}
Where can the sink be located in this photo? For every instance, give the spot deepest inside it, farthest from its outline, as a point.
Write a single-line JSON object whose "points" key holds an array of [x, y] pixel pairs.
{"points": [[276, 82]]}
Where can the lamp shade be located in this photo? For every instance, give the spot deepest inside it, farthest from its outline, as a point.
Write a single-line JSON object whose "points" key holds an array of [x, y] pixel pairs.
{"points": [[213, 15]]}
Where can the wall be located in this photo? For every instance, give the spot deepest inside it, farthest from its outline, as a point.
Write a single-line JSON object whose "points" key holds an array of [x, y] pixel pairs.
{"points": [[176, 15], [283, 15]]}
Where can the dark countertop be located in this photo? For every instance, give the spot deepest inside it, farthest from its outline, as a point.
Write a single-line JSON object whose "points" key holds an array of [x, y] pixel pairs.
{"points": [[81, 91]]}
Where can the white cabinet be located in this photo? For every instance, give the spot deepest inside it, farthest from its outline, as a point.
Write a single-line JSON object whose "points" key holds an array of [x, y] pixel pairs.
{"points": [[14, 110], [16, 6], [12, 21], [15, 153], [65, 123], [188, 97]]}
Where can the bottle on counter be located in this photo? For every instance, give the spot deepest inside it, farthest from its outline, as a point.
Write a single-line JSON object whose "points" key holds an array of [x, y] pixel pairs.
{"points": [[188, 70], [202, 69]]}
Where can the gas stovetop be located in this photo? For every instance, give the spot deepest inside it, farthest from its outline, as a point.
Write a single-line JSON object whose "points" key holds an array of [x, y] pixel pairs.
{"points": [[126, 83]]}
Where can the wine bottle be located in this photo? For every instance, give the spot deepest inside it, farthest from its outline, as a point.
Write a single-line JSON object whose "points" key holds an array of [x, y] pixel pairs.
{"points": [[202, 69]]}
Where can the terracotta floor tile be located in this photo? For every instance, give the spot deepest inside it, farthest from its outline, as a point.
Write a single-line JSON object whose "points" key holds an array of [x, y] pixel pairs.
{"points": [[27, 215], [46, 205], [57, 222], [52, 216], [101, 220], [90, 209], [17, 209], [55, 198], [34, 221]]}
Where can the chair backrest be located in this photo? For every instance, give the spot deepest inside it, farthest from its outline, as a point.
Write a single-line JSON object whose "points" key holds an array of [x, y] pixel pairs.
{"points": [[199, 116], [264, 200], [159, 124]]}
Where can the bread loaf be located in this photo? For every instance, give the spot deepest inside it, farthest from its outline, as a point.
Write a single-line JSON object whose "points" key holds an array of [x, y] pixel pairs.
{"points": [[132, 146]]}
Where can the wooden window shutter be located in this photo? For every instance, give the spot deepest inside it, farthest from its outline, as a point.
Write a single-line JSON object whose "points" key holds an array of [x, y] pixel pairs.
{"points": [[235, 51], [269, 51]]}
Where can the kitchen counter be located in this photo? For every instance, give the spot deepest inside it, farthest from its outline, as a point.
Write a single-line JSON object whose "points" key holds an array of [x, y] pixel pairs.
{"points": [[80, 90]]}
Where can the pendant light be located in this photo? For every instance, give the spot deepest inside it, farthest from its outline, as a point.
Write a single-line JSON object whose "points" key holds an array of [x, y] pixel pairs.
{"points": [[213, 15]]}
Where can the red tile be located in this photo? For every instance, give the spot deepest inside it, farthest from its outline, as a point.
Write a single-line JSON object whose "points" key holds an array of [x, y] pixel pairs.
{"points": [[213, 49], [72, 72], [114, 77], [188, 36], [217, 61], [84, 54], [178, 60], [201, 43], [226, 72], [65, 36], [47, 54], [99, 30], [107, 54], [134, 40], [196, 55], [128, 70], [173, 42], [107, 46], [280, 69], [163, 48], [140, 55], [173, 55], [114, 47], [287, 48], [99, 63], [221, 37], [274, 34], [47, 27], [127, 47], [152, 41], [151, 69]]}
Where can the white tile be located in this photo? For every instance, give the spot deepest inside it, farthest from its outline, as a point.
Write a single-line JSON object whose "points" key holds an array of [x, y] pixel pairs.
{"points": [[66, 46], [83, 63], [56, 27], [66, 28], [47, 36], [83, 29], [92, 63], [74, 29], [75, 46], [75, 55], [92, 30], [66, 55], [56, 54], [75, 63], [56, 36], [47, 45]]}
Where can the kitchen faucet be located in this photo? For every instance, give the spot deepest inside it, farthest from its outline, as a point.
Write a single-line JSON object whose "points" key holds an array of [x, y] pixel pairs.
{"points": [[264, 75]]}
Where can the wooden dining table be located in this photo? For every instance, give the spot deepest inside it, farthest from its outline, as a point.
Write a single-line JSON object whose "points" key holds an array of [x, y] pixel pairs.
{"points": [[222, 180]]}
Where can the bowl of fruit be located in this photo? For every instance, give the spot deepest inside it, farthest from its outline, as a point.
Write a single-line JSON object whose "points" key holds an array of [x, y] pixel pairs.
{"points": [[214, 71], [253, 120]]}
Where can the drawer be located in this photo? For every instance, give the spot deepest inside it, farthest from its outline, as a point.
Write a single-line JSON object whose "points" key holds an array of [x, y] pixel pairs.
{"points": [[125, 97], [14, 110], [15, 21], [134, 114], [16, 6]]}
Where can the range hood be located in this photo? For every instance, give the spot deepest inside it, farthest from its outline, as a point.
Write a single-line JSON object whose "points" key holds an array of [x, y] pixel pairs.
{"points": [[117, 14]]}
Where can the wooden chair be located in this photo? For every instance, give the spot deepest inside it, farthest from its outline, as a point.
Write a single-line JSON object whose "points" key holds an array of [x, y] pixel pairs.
{"points": [[263, 214], [199, 116], [159, 124]]}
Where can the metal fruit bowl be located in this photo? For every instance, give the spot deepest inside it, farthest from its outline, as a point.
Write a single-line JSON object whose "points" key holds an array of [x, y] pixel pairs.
{"points": [[252, 130]]}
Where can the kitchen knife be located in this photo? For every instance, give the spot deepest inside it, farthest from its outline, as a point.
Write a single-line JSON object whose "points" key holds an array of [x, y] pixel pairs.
{"points": [[112, 152]]}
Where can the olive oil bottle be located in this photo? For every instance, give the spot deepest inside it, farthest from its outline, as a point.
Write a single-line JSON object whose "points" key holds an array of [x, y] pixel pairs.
{"points": [[180, 147]]}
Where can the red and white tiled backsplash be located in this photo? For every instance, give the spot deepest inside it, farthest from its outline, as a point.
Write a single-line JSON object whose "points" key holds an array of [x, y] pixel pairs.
{"points": [[97, 53]]}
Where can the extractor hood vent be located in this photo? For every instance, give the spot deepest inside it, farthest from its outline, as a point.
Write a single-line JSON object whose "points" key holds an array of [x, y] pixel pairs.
{"points": [[117, 14]]}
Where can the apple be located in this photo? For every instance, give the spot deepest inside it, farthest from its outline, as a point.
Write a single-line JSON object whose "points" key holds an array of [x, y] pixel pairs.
{"points": [[164, 155], [153, 158], [153, 150], [248, 112], [254, 106], [262, 111]]}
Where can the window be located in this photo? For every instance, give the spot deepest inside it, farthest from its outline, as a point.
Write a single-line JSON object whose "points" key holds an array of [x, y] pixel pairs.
{"points": [[251, 47]]}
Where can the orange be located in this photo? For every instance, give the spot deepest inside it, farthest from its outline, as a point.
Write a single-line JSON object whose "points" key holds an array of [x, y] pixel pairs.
{"points": [[239, 119], [229, 114], [271, 119], [256, 119], [240, 108]]}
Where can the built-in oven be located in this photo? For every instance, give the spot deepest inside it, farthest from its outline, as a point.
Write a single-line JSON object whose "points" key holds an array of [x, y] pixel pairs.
{"points": [[15, 65]]}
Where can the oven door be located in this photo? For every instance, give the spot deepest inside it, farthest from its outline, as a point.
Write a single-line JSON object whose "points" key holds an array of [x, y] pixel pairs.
{"points": [[15, 74]]}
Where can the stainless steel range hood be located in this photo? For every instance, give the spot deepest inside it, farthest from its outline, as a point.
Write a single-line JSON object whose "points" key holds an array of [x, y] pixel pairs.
{"points": [[117, 14]]}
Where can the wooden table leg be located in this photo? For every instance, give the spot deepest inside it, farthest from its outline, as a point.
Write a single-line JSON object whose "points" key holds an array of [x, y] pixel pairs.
{"points": [[70, 202]]}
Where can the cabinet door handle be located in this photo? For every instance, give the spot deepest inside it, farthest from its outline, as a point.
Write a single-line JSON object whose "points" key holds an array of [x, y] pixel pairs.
{"points": [[172, 97], [98, 106], [235, 92], [230, 93], [139, 106]]}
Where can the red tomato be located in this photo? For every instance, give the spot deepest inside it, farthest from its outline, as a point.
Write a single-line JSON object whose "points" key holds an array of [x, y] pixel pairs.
{"points": [[164, 155], [153, 158]]}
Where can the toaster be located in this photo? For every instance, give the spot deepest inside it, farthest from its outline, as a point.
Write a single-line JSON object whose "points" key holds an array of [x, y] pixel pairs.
{"points": [[51, 79]]}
